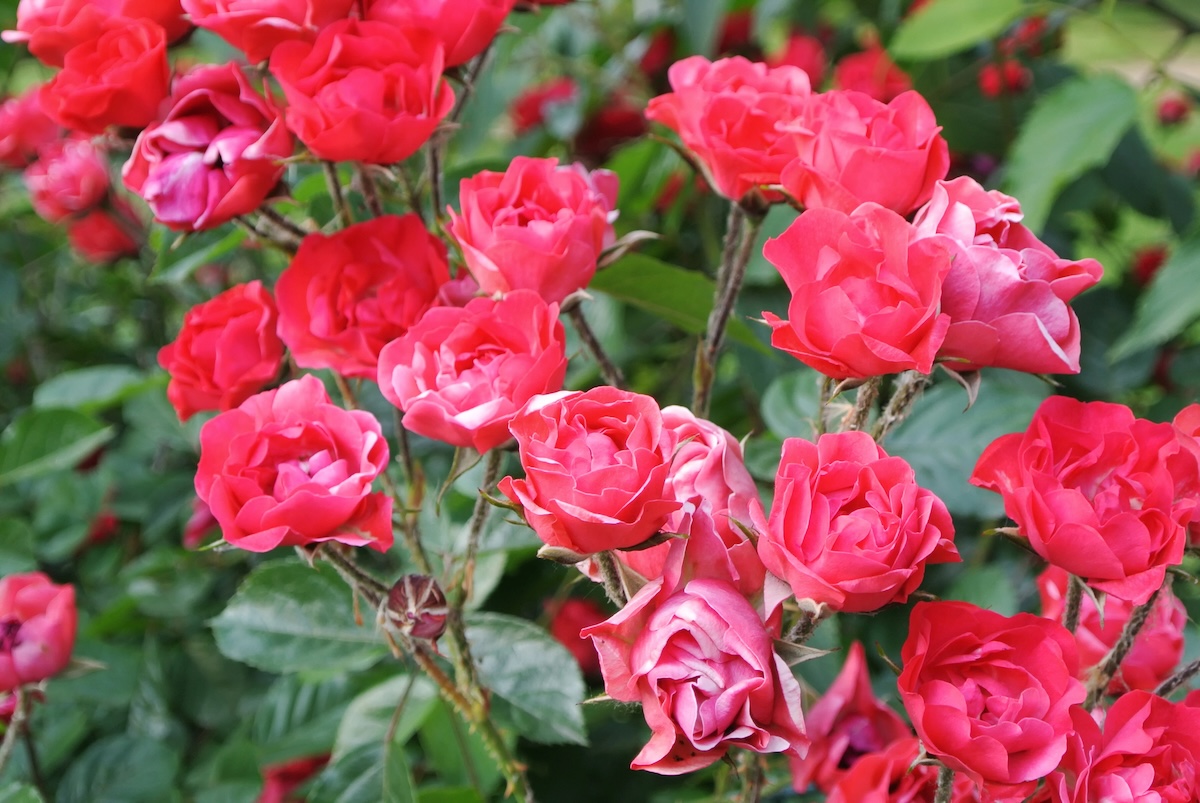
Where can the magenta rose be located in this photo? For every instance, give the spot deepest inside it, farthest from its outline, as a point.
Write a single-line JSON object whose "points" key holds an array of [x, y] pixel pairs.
{"points": [[69, 177], [536, 226], [24, 129], [255, 27], [464, 27], [218, 153], [290, 468], [461, 374], [37, 629]]}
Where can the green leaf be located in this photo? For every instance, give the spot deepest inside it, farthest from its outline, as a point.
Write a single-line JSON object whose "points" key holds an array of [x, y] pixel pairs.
{"points": [[1168, 306], [179, 269], [682, 297], [398, 786], [16, 547], [19, 793], [943, 27], [701, 22], [943, 443], [287, 617], [357, 777], [369, 716], [457, 754], [536, 682], [298, 718], [1071, 129], [92, 389], [988, 586], [121, 769], [449, 794], [791, 404], [42, 441]]}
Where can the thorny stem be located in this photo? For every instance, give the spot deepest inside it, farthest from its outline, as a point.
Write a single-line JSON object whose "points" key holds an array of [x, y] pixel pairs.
{"points": [[1108, 667], [1071, 607], [945, 785], [609, 371], [755, 777], [15, 726], [906, 393], [827, 386], [491, 475], [370, 587], [864, 402], [284, 243], [282, 222], [1168, 686], [435, 177], [370, 192], [345, 218], [803, 629], [610, 573]]}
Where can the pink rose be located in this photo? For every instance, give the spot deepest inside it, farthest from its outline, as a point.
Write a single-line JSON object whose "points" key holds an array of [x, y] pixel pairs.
{"points": [[52, 27], [893, 776], [850, 527], [1092, 488], [226, 351], [464, 27], [866, 293], [1156, 650], [461, 374], [37, 629], [989, 694], [218, 153], [255, 27], [596, 469], [69, 177], [872, 73], [1187, 427], [852, 149], [290, 468], [364, 91], [536, 226], [729, 114], [348, 294], [24, 129]]}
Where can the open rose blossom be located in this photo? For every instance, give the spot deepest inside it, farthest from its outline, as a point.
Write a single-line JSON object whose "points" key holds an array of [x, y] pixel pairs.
{"points": [[289, 468], [596, 469], [846, 723], [1156, 649], [119, 78], [216, 154], [728, 113], [1094, 490], [255, 27], [348, 294], [52, 27], [852, 149], [464, 27], [69, 177], [1144, 749], [866, 293], [37, 629], [893, 776], [698, 656], [849, 525], [460, 374], [1187, 427], [536, 226], [24, 130], [364, 91], [226, 351], [989, 694]]}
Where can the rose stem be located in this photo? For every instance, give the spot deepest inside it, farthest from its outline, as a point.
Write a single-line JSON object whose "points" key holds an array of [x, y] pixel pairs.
{"points": [[263, 235], [609, 372], [611, 574], [491, 475], [752, 791], [741, 230], [371, 589], [907, 391], [1071, 608], [827, 385], [803, 629], [35, 767], [945, 785], [345, 218], [439, 139], [411, 193], [864, 402], [15, 726], [282, 222], [1168, 686], [1108, 667], [370, 192]]}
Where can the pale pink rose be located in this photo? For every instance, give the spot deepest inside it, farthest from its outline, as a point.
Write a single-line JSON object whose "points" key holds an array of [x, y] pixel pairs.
{"points": [[69, 177]]}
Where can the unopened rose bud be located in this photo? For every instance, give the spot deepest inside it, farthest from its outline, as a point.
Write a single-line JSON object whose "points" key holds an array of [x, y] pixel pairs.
{"points": [[416, 607]]}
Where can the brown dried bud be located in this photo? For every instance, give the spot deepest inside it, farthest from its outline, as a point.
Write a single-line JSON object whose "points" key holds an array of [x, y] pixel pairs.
{"points": [[416, 607]]}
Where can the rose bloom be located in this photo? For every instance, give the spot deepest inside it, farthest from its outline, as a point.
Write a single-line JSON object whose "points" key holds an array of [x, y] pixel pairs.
{"points": [[567, 618], [872, 73], [1146, 749], [24, 129], [364, 91], [528, 110], [255, 27], [728, 113], [218, 153], [1156, 649], [845, 724], [346, 295], [1094, 490], [52, 27], [118, 78], [990, 694], [852, 149], [290, 468], [699, 657], [460, 374], [596, 469], [536, 226], [866, 293], [1187, 428], [226, 351], [199, 524], [892, 776], [464, 27], [69, 177], [849, 525], [805, 52], [37, 629], [103, 235]]}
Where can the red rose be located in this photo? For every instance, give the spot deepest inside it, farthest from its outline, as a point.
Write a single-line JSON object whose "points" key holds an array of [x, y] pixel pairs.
{"points": [[364, 91], [24, 129], [226, 351], [805, 52], [255, 27], [567, 618], [1148, 750], [536, 226], [37, 629], [528, 110], [852, 149], [103, 235], [989, 694], [596, 469], [216, 154], [728, 113], [52, 27], [872, 73], [1156, 650], [69, 177], [845, 724], [1187, 427], [866, 293], [346, 295], [117, 78], [1092, 488], [617, 120], [464, 27], [290, 468], [893, 776], [281, 780], [849, 525], [460, 374]]}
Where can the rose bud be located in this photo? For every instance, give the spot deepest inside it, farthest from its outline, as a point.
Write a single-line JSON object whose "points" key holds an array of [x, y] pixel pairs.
{"points": [[37, 629], [872, 73], [255, 27], [464, 27], [1146, 263], [416, 607], [24, 129], [1009, 78], [1173, 109], [69, 177]]}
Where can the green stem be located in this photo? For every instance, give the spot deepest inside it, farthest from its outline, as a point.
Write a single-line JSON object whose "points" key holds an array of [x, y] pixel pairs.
{"points": [[15, 726], [1071, 607], [945, 785], [908, 390], [345, 218], [491, 475], [610, 573], [864, 402], [609, 371]]}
